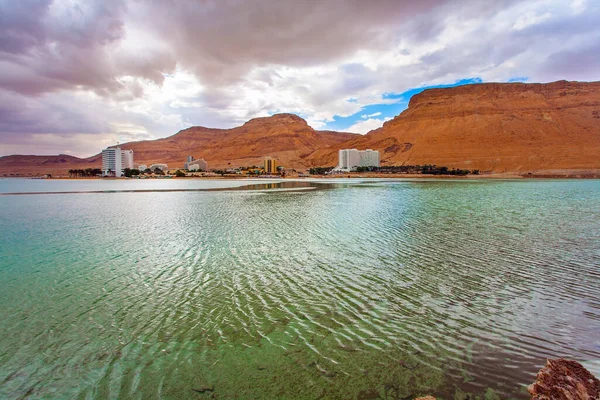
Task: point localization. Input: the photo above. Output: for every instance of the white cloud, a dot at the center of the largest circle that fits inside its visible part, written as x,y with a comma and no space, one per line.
578,6
365,116
366,126
530,19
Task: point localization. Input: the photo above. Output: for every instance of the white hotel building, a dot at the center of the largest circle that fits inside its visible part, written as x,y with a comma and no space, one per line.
349,159
115,160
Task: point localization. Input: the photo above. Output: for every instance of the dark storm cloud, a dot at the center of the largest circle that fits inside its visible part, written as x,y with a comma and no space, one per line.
579,63
46,46
53,51
22,115
222,40
20,27
49,46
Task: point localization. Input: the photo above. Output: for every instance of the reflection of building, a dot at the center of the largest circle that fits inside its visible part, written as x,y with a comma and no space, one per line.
270,166
162,167
349,159
115,160
193,164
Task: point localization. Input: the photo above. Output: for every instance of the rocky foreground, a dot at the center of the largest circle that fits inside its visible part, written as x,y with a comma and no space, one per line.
564,379
560,379
547,130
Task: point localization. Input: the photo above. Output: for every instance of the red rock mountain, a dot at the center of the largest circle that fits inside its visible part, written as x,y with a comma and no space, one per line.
498,127
286,137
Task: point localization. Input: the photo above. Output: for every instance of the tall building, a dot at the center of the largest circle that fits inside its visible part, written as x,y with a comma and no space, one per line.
270,166
369,158
115,160
127,159
349,159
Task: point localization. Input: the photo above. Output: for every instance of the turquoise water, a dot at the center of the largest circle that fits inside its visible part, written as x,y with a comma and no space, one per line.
341,289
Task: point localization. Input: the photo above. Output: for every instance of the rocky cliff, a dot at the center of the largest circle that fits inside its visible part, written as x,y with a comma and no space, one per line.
499,127
551,128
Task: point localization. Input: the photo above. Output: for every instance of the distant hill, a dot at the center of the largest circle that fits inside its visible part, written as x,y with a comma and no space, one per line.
26,165
498,127
549,128
286,137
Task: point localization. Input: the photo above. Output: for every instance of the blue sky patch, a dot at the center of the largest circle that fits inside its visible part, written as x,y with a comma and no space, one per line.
389,110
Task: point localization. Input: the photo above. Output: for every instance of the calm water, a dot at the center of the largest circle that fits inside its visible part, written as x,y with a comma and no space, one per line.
338,290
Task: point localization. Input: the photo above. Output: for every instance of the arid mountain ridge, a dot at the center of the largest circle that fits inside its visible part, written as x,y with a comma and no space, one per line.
551,128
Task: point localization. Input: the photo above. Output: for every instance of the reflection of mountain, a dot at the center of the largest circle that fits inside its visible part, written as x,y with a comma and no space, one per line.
499,127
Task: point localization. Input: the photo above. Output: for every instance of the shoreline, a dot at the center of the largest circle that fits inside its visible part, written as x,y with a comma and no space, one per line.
510,176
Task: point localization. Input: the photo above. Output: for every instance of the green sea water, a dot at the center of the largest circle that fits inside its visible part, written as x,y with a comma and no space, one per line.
341,289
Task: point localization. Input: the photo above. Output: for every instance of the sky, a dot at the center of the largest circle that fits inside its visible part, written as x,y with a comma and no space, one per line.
79,75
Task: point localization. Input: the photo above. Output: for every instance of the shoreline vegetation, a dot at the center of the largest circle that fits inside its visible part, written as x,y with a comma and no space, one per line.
352,175
387,172
511,176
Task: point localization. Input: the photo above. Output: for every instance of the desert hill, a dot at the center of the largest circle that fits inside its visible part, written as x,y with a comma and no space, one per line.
499,127
28,165
551,128
285,137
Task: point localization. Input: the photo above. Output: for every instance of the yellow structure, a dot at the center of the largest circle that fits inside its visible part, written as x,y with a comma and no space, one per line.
270,166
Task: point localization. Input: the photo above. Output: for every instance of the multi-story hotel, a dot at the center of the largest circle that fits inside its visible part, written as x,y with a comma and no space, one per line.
115,160
162,167
193,164
349,159
270,166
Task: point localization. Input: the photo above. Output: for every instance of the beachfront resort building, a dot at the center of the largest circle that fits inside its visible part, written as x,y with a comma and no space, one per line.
350,159
193,164
162,167
115,160
270,166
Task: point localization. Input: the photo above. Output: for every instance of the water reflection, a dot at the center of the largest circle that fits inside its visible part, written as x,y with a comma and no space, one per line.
272,186
377,290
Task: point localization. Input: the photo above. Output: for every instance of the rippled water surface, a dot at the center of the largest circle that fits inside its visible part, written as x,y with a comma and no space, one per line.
342,289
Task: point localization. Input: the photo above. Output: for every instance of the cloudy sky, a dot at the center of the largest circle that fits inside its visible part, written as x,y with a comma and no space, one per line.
78,75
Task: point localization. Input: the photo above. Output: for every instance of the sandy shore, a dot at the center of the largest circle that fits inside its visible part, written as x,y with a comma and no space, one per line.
558,174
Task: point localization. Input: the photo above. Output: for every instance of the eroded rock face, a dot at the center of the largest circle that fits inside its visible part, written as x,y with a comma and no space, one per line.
548,128
564,379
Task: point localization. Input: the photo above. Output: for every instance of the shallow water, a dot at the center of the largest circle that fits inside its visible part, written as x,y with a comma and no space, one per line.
340,289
